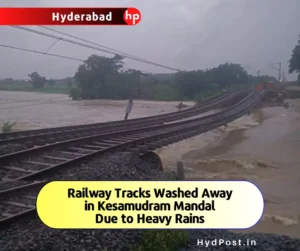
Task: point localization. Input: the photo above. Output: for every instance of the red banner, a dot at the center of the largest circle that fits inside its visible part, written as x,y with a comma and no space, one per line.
69,16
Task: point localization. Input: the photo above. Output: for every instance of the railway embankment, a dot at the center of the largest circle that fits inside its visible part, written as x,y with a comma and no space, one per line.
29,233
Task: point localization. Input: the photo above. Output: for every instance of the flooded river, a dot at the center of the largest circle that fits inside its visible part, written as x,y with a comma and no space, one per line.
262,147
34,110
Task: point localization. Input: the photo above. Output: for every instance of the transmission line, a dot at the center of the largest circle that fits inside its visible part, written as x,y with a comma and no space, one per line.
89,46
56,55
51,46
93,43
40,52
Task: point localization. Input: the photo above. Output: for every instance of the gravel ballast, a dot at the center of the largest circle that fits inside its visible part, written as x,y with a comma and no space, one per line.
31,234
10,148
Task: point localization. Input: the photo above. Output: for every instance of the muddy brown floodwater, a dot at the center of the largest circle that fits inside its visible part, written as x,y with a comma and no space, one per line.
263,148
36,110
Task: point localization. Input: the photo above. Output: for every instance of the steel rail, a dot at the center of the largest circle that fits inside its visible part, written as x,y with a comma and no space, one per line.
163,138
209,103
30,163
52,135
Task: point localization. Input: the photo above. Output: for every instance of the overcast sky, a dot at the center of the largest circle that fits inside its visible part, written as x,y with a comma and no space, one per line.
184,34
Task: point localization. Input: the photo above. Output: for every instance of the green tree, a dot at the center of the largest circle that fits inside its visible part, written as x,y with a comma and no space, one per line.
132,83
294,63
36,80
199,83
227,75
103,77
75,93
190,83
92,75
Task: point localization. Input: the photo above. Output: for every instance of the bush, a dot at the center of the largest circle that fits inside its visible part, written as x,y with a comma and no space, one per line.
7,126
162,240
75,93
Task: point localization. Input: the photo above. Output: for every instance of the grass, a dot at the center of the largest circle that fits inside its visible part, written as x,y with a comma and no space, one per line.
58,89
7,126
162,240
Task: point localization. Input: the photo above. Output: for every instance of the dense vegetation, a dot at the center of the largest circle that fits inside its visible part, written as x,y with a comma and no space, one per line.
39,84
7,126
162,240
294,65
104,77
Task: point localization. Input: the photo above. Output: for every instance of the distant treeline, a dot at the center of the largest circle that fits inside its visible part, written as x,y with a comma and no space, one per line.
37,84
104,78
51,82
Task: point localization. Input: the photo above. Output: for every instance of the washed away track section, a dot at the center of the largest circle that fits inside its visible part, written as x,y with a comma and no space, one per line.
38,163
40,137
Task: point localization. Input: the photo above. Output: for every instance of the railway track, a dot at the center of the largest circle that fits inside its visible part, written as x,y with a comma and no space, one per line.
38,162
33,162
41,137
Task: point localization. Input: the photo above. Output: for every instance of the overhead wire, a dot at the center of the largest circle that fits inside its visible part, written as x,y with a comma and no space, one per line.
57,39
40,52
51,46
48,54
93,43
91,47
57,55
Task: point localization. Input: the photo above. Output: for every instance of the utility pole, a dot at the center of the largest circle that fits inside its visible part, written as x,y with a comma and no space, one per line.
258,76
278,69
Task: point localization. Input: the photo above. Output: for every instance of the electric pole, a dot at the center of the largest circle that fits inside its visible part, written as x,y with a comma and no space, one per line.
278,69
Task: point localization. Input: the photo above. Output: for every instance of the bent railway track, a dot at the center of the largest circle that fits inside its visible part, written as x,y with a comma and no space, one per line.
39,162
41,137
